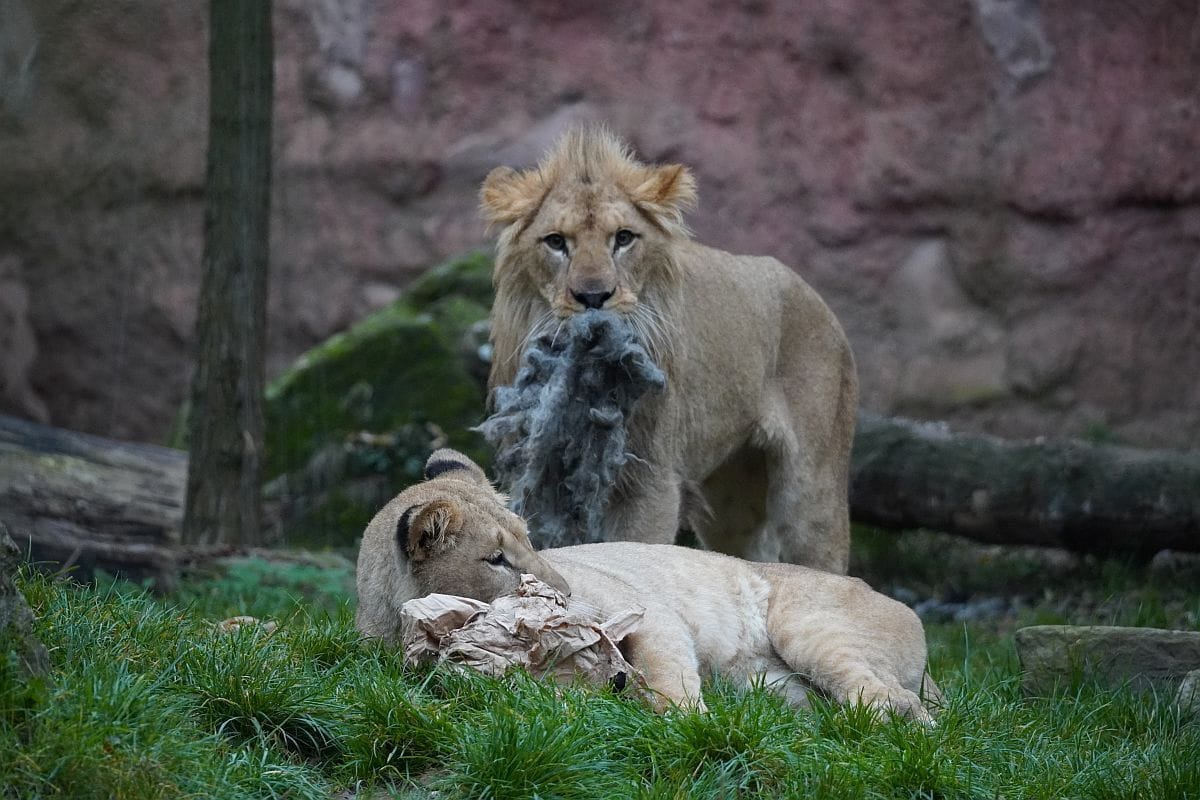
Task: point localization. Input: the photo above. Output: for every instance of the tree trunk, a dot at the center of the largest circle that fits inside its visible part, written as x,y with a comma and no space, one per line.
84,503
226,418
1060,493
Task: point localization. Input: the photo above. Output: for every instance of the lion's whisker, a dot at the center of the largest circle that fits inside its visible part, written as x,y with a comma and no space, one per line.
652,330
557,331
539,326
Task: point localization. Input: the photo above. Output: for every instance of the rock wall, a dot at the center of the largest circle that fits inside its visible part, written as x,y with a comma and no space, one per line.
1000,198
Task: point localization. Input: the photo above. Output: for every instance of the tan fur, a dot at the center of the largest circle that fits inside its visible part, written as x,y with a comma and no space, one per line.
749,446
790,627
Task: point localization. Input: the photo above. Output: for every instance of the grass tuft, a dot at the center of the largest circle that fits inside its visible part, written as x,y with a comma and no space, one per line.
747,738
247,687
398,729
518,751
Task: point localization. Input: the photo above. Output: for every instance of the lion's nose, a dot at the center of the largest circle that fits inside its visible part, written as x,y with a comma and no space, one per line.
591,299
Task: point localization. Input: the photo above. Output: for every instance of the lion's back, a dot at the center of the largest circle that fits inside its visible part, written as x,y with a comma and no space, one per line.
759,294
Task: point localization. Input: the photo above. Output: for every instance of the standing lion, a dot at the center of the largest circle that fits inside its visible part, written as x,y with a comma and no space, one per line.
749,445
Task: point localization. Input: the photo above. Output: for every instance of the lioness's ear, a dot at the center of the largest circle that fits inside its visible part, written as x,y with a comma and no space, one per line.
508,195
664,192
428,529
446,460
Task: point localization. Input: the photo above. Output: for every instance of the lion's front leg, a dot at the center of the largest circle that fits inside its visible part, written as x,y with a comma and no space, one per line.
645,508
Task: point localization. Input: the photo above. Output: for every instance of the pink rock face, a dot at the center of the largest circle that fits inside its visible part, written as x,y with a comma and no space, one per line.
1000,200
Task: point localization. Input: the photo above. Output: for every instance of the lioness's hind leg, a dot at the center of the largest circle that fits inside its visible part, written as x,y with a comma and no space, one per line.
851,642
838,667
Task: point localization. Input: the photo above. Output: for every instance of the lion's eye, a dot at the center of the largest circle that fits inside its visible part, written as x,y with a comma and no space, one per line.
556,242
497,559
624,238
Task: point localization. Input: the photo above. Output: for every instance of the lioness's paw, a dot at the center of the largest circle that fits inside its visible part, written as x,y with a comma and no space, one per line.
663,704
905,704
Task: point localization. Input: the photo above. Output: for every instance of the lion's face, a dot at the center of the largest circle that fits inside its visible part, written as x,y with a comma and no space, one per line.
588,248
589,228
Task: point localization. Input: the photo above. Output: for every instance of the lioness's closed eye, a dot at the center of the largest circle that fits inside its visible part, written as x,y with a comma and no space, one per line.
706,613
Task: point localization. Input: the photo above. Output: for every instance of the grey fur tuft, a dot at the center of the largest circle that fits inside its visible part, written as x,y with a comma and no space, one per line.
561,429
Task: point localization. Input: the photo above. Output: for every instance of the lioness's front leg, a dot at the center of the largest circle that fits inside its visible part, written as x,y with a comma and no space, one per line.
667,660
645,508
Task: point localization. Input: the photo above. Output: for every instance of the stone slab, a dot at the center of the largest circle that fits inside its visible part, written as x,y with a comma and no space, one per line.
1141,658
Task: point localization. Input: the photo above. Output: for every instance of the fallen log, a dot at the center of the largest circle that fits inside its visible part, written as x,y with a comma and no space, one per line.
1059,493
88,503
85,503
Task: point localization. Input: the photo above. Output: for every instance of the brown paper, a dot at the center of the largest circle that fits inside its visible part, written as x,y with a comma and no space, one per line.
535,628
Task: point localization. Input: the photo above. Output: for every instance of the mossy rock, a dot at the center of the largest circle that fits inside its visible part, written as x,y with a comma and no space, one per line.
409,363
468,277
352,421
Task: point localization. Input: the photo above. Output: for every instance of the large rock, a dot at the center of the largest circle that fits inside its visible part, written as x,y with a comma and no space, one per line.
413,361
1188,696
1000,199
1058,655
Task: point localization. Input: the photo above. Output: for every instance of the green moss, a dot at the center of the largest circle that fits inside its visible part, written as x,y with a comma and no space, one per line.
412,366
455,314
468,277
405,364
1099,433
391,370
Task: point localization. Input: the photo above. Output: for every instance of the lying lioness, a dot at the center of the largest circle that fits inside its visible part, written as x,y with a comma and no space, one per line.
790,627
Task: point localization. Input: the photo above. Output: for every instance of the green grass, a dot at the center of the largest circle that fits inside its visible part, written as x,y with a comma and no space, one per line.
148,700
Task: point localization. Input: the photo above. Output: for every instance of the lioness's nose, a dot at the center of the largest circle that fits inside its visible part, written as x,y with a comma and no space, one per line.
557,581
591,299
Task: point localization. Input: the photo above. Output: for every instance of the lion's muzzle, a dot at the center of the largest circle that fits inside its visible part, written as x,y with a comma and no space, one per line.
592,299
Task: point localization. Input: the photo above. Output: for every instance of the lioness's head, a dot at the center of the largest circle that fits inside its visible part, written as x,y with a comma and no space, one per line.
590,227
450,534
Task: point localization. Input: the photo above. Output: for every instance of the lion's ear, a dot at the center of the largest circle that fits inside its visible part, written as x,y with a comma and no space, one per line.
664,191
425,530
508,195
459,466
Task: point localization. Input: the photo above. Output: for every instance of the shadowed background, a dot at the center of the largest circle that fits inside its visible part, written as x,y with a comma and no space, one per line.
1000,199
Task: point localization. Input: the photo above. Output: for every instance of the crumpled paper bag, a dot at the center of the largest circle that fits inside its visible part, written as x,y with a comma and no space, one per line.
534,628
